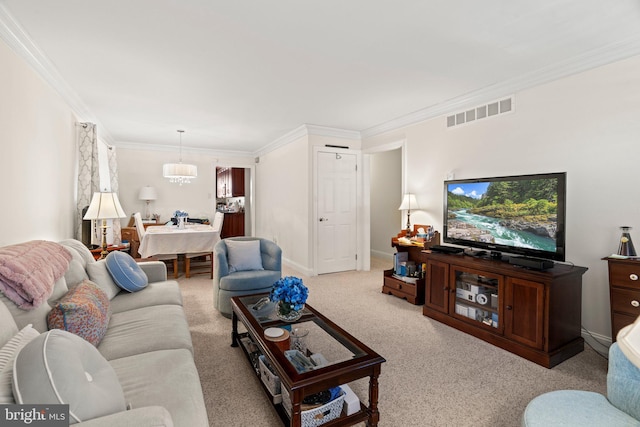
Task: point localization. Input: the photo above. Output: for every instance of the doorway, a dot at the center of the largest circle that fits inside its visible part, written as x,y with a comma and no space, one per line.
336,210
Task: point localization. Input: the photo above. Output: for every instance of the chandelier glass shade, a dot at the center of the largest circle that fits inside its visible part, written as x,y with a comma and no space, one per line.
180,173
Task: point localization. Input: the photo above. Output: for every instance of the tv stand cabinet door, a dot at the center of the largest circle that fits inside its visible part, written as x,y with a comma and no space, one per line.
437,286
524,312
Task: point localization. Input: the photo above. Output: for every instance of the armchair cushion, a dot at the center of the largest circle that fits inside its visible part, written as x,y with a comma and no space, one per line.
623,383
244,255
574,408
126,272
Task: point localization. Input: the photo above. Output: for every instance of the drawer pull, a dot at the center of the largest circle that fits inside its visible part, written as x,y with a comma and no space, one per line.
633,276
635,303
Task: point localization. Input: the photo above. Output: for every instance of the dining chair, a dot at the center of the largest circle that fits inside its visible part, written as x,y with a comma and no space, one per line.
206,266
162,257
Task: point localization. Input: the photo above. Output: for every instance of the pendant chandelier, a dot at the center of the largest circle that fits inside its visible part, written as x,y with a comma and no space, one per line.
180,173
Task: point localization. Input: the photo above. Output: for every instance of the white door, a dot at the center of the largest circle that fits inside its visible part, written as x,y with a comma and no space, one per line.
336,219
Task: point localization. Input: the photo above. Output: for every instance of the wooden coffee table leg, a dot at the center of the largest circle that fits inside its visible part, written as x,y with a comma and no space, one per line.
234,329
296,409
374,414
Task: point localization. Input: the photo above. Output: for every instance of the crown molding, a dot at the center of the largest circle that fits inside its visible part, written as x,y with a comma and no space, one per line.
306,130
20,42
595,58
192,150
333,132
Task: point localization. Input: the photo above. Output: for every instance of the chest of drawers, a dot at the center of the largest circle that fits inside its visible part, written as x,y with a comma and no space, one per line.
624,291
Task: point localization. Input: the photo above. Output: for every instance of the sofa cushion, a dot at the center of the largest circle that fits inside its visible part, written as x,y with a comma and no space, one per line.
7,355
99,274
244,255
36,317
77,247
144,330
58,367
9,328
158,293
178,389
126,272
83,311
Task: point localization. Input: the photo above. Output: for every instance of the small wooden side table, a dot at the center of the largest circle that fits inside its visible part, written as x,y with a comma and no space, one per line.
97,251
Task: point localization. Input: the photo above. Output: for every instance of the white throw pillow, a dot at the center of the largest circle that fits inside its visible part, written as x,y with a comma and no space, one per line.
7,355
244,255
58,367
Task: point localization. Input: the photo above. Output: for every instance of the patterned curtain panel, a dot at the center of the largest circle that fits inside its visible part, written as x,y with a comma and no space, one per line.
88,171
113,176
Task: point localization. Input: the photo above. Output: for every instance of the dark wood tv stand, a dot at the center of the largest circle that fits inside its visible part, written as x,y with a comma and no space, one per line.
534,314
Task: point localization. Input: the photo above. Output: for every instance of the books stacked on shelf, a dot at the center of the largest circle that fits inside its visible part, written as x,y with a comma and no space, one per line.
406,279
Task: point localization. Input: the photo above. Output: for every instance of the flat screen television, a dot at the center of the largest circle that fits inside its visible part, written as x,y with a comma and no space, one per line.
523,215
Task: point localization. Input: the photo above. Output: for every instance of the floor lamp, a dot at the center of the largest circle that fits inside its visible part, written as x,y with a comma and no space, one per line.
104,206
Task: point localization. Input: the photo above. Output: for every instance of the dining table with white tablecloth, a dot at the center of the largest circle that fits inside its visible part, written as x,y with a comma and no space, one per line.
170,239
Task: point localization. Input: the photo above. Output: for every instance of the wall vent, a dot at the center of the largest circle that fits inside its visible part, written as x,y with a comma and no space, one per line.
481,112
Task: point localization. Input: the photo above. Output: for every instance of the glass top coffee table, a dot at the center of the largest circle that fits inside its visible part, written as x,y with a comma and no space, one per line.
330,358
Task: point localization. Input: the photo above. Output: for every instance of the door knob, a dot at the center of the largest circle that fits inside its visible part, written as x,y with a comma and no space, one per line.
324,219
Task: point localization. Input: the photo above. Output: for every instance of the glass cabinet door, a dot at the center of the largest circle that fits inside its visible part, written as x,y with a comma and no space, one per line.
477,297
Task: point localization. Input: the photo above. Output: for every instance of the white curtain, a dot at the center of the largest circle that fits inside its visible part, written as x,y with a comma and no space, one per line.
88,171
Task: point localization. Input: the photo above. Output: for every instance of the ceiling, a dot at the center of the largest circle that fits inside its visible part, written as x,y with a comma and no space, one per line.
237,75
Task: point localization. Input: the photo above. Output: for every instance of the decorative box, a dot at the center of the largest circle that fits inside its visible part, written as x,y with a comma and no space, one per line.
316,416
270,379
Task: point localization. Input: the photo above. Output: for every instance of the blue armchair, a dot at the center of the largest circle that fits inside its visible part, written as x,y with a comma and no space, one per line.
621,406
228,283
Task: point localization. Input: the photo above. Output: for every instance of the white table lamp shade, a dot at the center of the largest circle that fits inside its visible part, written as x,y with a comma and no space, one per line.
148,193
408,202
104,206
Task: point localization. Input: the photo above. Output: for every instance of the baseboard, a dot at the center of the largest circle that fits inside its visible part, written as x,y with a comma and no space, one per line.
380,254
304,270
598,342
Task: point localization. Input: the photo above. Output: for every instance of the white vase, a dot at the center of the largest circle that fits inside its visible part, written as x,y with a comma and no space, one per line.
182,220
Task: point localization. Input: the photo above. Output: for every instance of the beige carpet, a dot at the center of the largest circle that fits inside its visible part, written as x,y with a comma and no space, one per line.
434,375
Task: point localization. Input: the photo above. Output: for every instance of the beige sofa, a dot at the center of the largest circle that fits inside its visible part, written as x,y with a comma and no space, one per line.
147,343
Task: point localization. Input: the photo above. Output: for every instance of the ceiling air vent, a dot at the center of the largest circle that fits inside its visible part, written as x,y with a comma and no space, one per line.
481,112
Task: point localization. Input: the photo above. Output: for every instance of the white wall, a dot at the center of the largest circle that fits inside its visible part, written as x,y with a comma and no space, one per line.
282,201
137,168
587,125
38,156
386,196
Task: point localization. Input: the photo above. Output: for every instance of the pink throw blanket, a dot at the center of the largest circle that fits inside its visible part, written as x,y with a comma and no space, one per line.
29,270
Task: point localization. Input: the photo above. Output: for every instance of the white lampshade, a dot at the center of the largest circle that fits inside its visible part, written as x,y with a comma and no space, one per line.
104,206
179,171
409,202
147,193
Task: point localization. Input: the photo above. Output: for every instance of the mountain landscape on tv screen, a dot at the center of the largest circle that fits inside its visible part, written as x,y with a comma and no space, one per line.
519,213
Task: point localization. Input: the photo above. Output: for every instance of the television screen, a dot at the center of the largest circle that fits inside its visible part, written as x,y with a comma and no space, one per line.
523,214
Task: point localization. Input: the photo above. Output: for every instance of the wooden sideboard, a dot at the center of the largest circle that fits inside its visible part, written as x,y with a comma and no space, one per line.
534,314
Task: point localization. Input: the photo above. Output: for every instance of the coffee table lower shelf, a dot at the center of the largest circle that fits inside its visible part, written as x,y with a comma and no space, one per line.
343,420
